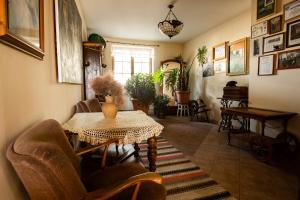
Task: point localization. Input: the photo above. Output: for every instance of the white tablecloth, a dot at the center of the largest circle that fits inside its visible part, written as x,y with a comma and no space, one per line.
129,127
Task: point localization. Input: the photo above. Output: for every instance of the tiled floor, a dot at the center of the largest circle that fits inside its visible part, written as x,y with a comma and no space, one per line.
236,169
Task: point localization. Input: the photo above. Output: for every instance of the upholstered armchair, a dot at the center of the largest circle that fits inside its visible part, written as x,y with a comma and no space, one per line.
93,105
49,169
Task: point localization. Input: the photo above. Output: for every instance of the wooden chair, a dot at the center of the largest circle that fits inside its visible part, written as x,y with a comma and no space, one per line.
93,105
50,169
196,110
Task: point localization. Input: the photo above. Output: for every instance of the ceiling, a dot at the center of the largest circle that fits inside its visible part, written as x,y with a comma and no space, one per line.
138,19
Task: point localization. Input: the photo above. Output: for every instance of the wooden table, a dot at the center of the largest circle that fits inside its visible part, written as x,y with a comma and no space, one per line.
261,115
129,127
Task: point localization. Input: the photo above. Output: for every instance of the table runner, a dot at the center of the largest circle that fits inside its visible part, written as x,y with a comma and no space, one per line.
129,127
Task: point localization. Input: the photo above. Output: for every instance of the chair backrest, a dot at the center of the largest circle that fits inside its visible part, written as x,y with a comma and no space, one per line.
84,106
46,164
93,105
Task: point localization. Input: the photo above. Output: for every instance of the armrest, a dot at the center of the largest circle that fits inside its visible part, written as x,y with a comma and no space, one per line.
111,190
92,148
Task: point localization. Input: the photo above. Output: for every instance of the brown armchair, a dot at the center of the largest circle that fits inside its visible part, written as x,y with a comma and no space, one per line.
50,169
93,105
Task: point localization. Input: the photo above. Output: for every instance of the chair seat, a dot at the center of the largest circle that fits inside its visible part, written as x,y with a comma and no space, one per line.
149,190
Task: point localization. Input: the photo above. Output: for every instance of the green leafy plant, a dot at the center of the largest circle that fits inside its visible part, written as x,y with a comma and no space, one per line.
158,76
161,105
141,87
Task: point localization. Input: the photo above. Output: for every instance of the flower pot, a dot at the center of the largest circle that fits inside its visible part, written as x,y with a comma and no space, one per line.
109,109
137,105
182,97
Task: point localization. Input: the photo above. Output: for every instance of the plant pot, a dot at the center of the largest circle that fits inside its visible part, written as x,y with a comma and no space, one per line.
137,105
182,97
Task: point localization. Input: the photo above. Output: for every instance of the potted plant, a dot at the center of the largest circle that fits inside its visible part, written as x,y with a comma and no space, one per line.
141,89
161,105
183,75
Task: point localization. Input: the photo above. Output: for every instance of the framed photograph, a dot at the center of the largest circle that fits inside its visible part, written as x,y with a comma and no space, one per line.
220,66
260,29
68,31
22,26
238,57
208,70
289,59
274,43
265,8
266,65
291,10
275,24
293,34
220,51
257,47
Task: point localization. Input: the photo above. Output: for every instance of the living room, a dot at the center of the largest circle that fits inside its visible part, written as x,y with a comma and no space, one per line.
44,76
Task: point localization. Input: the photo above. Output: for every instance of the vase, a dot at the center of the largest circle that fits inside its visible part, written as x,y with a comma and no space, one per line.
109,108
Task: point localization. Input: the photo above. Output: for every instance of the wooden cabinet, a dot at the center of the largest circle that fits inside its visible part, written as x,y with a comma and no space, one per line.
92,62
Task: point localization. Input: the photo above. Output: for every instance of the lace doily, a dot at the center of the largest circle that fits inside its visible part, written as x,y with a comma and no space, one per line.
129,127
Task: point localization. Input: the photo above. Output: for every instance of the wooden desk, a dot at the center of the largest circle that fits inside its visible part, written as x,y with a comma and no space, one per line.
261,115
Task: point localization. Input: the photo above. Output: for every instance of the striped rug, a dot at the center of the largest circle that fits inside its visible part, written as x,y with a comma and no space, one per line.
181,177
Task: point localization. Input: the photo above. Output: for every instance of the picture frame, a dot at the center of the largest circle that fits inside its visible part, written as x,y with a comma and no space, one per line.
265,8
293,34
274,43
291,10
257,46
266,65
68,34
238,58
220,66
275,24
220,51
22,26
208,68
289,59
259,29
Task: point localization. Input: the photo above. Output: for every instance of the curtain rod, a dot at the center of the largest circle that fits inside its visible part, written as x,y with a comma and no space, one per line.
150,45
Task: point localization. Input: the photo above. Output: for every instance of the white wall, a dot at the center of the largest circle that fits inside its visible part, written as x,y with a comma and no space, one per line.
210,88
29,93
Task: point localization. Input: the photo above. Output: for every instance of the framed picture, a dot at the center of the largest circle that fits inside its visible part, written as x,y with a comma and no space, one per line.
289,59
259,29
208,70
273,43
275,24
293,34
22,26
265,8
220,51
257,46
220,66
291,10
238,57
266,65
68,31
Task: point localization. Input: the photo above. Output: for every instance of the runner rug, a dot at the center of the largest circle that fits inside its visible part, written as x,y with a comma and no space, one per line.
181,177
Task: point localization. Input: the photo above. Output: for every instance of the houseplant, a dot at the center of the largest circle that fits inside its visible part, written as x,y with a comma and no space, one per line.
141,89
161,105
110,91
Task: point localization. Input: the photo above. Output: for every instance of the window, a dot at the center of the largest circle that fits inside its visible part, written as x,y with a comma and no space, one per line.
129,60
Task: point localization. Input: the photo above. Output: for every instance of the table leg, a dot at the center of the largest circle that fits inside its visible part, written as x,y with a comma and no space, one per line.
152,153
137,149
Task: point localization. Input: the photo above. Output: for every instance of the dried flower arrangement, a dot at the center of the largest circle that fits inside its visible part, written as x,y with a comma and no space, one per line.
106,85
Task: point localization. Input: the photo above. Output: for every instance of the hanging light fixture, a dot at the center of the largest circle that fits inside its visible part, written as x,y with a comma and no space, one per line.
171,26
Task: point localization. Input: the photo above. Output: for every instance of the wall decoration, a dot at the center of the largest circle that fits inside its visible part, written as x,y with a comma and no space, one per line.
266,65
68,42
220,66
291,10
273,43
22,25
208,70
220,51
259,29
275,24
293,34
265,8
289,59
238,57
257,46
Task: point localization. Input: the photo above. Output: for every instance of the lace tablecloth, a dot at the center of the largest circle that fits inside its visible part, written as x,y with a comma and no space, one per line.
129,127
